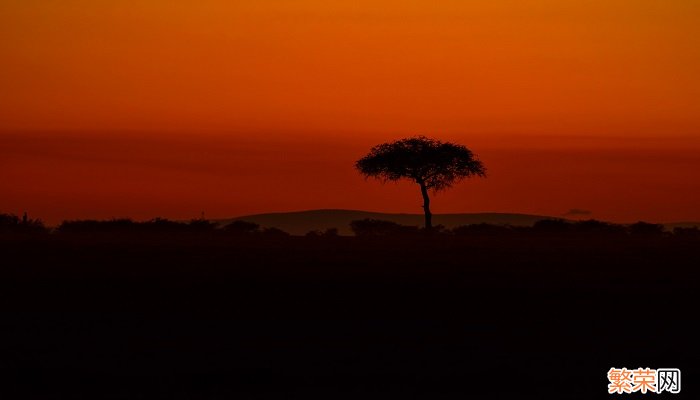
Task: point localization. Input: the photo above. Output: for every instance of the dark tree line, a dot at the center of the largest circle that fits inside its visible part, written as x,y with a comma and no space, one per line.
12,224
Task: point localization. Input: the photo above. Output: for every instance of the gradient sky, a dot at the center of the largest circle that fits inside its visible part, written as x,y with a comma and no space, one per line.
170,108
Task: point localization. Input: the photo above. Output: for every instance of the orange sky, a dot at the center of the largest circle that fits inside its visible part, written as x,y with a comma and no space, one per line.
124,108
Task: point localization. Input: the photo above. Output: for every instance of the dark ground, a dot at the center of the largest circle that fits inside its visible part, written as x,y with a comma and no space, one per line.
343,317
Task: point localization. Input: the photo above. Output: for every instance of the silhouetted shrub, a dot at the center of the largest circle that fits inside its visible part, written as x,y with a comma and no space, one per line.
376,227
274,232
10,223
437,230
481,229
127,226
646,229
598,227
686,231
330,232
202,225
552,226
162,225
94,226
242,228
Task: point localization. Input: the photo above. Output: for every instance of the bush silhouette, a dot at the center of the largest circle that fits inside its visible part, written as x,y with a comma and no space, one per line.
482,229
94,226
274,232
10,223
124,226
646,229
592,226
161,225
330,232
376,227
687,232
552,226
242,228
202,225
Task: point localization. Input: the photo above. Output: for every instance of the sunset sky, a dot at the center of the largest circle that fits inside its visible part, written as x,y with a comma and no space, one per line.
170,108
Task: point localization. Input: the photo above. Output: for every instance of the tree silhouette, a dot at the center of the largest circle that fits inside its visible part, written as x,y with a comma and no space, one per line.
432,164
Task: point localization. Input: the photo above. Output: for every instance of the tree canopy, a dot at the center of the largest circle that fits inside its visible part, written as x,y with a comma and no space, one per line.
436,165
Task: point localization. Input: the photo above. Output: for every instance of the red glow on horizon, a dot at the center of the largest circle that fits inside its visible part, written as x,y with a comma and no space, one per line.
66,176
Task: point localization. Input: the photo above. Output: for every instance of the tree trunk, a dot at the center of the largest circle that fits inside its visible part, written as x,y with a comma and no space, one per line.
426,207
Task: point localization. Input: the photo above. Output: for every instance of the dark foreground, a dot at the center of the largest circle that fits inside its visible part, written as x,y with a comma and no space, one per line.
344,317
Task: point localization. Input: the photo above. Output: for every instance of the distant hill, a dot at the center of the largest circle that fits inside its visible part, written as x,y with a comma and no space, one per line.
300,222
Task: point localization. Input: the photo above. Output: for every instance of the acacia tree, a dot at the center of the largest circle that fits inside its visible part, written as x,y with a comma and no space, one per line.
432,164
